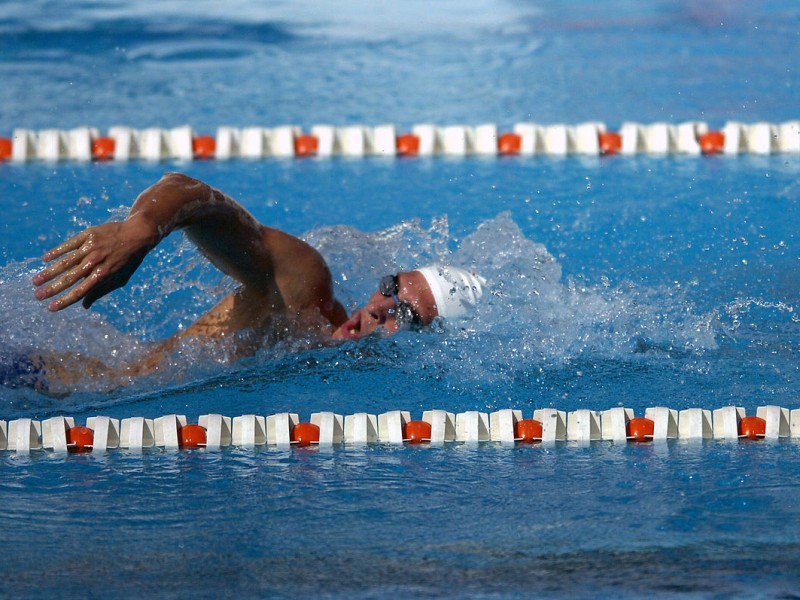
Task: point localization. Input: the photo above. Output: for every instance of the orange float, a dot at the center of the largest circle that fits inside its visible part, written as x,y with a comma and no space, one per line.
641,429
191,436
306,145
509,143
752,427
204,147
610,143
407,144
528,431
6,148
80,439
416,432
712,142
103,148
305,434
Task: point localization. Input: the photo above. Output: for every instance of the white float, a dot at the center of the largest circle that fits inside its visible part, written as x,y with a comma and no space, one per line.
695,423
485,139
106,433
352,141
429,139
180,143
586,138
443,425
659,138
762,138
331,427
54,433
554,424
281,141
166,431
249,431
789,137
502,425
360,428
23,145
688,135
254,143
632,138
457,140
279,428
52,145
794,423
391,426
777,420
326,140
530,135
137,433
556,140
472,426
583,426
614,423
383,141
726,422
126,143
665,422
80,143
218,428
735,138
228,143
24,435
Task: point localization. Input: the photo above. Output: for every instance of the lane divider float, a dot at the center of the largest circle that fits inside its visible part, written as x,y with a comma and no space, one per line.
547,426
425,140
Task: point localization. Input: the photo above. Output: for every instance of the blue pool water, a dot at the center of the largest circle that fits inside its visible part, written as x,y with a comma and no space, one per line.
626,281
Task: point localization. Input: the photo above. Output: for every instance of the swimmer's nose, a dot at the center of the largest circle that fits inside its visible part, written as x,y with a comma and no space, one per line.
380,311
377,314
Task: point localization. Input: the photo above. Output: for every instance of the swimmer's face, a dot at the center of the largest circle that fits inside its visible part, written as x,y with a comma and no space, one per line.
381,311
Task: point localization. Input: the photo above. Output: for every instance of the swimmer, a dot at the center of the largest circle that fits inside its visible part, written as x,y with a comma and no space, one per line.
284,283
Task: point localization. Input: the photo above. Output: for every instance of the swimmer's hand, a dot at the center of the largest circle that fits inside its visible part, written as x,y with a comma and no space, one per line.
92,264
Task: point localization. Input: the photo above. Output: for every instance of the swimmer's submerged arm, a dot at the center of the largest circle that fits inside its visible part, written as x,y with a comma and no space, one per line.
101,259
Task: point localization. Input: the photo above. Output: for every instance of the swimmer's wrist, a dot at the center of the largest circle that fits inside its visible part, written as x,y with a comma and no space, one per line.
141,227
162,208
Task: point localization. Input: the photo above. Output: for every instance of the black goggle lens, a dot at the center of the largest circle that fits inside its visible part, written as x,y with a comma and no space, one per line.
405,314
389,286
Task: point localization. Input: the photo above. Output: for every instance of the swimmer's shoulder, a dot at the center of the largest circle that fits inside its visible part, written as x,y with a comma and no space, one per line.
290,251
300,270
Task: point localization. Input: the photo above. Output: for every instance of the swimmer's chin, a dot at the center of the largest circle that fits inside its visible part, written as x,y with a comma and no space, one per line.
344,334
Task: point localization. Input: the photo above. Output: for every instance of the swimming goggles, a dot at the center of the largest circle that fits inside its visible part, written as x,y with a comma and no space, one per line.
405,314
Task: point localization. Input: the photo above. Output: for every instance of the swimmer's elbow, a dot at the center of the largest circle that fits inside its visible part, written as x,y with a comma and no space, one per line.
181,180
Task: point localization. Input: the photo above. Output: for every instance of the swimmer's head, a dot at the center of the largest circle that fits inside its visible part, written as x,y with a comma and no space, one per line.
455,291
415,299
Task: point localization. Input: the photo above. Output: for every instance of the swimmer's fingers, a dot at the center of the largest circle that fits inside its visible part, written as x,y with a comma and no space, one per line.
71,244
66,281
57,268
91,264
75,249
99,279
71,297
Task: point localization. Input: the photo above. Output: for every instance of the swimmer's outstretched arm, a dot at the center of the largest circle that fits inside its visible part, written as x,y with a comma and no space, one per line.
102,259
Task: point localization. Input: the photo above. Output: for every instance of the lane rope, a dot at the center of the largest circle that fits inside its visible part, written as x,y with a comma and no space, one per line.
692,138
547,426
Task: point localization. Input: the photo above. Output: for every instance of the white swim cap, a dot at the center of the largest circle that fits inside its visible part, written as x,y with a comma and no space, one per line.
455,290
